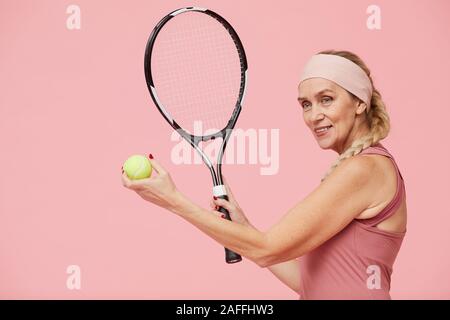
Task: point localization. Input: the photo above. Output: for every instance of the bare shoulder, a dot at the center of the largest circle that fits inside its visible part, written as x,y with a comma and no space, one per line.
353,179
382,183
359,168
370,173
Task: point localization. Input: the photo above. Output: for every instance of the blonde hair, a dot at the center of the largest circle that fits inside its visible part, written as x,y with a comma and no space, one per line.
377,117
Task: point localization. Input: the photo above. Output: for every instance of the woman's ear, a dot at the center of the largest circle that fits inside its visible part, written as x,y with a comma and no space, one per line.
361,107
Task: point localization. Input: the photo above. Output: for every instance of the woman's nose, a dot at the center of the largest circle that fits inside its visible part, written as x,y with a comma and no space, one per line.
316,113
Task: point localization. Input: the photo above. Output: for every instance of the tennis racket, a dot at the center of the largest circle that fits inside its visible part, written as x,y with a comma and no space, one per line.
196,72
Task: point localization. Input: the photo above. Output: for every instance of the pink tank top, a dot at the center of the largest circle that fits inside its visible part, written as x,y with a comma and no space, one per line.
357,262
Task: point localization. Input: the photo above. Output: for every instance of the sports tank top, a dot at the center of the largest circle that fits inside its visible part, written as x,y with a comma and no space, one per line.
356,263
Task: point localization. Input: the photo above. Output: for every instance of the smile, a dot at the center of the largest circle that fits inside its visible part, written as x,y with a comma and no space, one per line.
322,131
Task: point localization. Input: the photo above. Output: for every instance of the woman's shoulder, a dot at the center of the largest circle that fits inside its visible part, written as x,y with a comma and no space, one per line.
383,180
383,170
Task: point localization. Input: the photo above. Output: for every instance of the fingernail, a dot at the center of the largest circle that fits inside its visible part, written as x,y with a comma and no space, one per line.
150,156
215,198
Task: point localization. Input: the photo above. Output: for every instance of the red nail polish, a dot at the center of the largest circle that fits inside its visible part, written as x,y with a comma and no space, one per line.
215,198
150,156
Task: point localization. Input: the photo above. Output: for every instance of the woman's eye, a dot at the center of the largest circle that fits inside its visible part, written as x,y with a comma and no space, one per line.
327,99
324,100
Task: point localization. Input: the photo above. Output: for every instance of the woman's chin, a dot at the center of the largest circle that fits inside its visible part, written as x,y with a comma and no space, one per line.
325,143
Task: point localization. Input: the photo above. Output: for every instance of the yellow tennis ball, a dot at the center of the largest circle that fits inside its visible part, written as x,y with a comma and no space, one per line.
137,167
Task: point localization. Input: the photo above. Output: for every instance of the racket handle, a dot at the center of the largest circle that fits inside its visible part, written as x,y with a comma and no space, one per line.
230,256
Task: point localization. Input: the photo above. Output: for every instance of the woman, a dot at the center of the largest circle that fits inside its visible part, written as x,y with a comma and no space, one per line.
341,241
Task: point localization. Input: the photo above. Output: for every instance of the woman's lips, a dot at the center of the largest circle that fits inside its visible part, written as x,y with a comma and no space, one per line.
322,132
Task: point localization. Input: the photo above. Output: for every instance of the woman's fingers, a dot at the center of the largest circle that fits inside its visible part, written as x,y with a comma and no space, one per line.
157,166
126,182
214,206
224,204
215,210
229,192
133,184
218,214
141,183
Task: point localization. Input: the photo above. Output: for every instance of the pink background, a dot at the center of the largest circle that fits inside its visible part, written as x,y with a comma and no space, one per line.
74,105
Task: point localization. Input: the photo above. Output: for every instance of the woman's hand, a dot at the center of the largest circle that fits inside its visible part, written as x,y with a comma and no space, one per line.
158,189
235,211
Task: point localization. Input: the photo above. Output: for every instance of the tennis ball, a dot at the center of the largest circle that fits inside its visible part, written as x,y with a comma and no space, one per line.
137,167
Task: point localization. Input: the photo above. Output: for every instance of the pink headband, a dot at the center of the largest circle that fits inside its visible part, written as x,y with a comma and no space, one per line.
343,72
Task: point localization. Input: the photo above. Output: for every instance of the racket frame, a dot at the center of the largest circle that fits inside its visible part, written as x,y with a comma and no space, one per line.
194,140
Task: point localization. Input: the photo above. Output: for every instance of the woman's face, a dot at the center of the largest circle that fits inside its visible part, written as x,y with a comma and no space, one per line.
324,103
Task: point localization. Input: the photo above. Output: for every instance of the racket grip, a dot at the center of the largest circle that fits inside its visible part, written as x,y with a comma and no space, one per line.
230,256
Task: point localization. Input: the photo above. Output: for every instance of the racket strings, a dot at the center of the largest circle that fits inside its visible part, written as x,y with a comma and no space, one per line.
196,70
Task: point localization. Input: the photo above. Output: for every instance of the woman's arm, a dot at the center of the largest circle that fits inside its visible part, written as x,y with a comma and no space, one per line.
314,220
243,239
288,272
311,222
